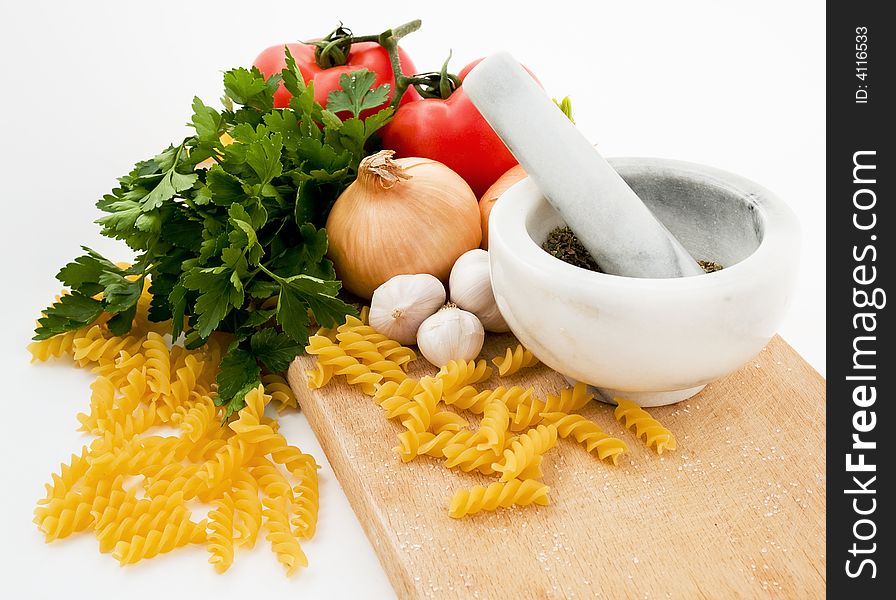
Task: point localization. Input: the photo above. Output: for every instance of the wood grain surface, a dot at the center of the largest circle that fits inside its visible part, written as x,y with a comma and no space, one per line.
737,511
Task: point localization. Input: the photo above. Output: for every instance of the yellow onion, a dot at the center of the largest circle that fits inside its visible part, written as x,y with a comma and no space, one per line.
492,194
400,216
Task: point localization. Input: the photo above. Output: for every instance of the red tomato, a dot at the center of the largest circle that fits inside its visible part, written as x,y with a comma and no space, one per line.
363,55
453,132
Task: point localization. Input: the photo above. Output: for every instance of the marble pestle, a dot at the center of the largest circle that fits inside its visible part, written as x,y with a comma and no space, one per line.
613,224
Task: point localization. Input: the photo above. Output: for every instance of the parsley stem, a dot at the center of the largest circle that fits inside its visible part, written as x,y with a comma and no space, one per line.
270,273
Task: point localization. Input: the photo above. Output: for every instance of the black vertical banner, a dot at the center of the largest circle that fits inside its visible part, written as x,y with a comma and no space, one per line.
861,169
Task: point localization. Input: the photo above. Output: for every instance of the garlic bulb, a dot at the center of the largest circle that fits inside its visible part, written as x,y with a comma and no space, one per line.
470,285
400,305
450,334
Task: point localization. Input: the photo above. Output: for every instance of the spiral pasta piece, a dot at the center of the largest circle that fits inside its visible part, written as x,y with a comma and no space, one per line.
248,509
307,502
468,457
271,480
116,502
95,347
189,380
251,428
173,535
469,398
446,420
458,374
389,370
133,389
319,376
102,401
523,458
184,483
226,461
123,368
569,400
356,346
361,376
419,416
61,517
396,398
528,411
158,364
201,417
653,432
139,517
493,427
511,397
117,432
56,346
283,542
514,360
364,349
354,329
220,536
528,414
498,494
279,390
589,434
409,443
394,351
436,445
332,355
69,474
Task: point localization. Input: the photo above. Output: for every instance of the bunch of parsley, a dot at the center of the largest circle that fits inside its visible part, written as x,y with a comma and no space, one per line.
238,247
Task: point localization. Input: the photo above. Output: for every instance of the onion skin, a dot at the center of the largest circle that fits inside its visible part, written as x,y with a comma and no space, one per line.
380,228
491,195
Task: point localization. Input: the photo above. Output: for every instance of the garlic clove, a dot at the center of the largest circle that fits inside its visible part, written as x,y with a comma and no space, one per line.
470,285
450,334
402,303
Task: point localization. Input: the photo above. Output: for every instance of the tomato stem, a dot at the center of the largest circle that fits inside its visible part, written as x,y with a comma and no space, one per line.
389,41
437,84
333,49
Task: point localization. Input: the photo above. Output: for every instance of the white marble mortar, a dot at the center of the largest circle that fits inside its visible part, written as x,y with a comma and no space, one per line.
654,341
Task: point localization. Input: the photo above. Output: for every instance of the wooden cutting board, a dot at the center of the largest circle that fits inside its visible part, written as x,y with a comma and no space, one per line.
736,511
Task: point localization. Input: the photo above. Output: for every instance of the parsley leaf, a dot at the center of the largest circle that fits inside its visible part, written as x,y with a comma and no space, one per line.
249,88
206,121
300,293
218,294
293,80
356,94
239,373
170,184
275,350
71,311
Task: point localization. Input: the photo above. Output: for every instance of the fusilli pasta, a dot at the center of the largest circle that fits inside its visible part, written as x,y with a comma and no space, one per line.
589,434
283,542
220,536
143,382
514,360
655,435
523,459
498,494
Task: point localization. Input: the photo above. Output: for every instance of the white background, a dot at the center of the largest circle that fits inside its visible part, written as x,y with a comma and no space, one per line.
90,88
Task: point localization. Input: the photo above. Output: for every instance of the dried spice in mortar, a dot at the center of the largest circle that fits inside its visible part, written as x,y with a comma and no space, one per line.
562,243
